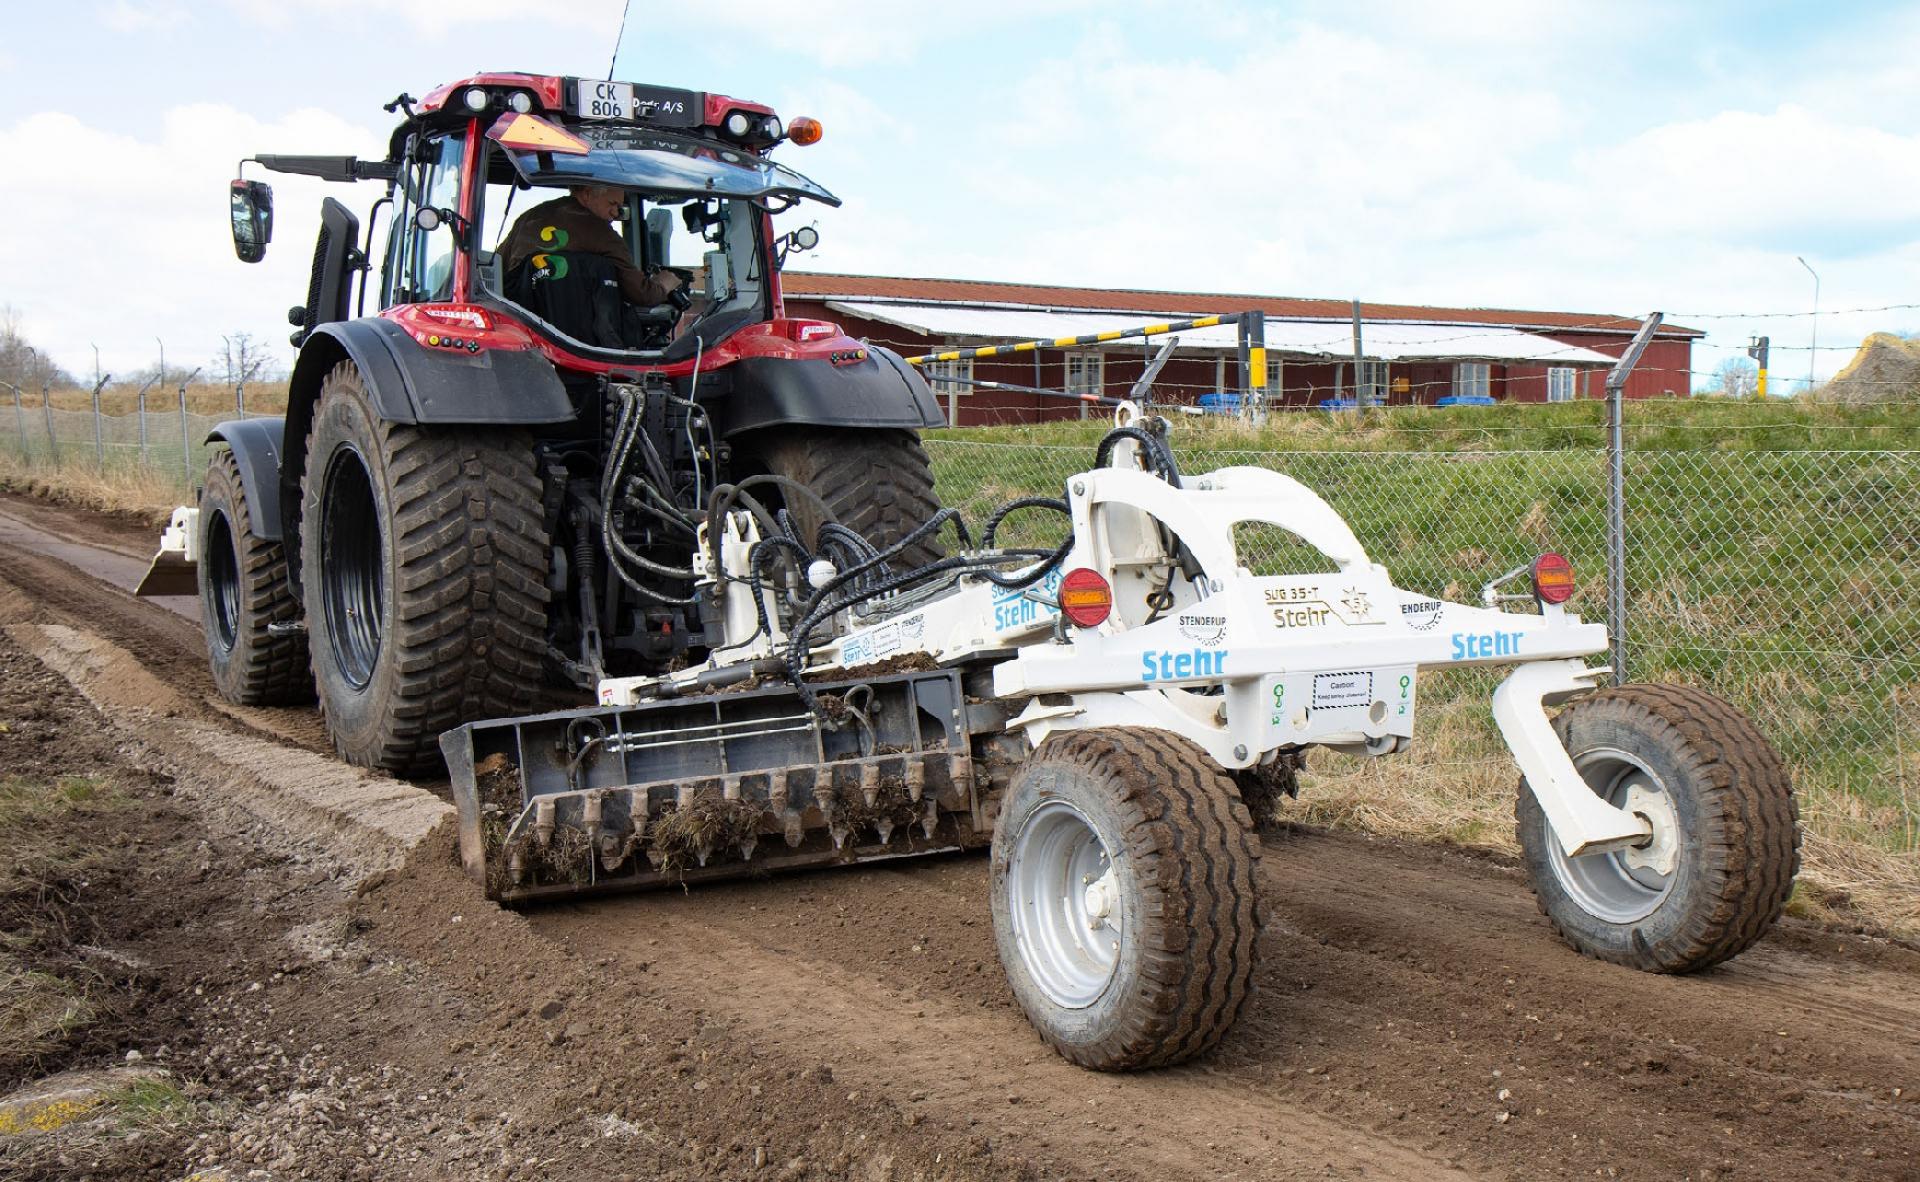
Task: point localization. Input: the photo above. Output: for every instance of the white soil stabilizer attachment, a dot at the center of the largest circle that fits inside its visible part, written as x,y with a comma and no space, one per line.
1102,714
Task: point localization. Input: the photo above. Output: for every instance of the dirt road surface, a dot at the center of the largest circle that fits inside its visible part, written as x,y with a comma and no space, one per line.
1416,1018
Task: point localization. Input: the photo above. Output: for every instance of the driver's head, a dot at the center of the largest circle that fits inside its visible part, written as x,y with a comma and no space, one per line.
602,201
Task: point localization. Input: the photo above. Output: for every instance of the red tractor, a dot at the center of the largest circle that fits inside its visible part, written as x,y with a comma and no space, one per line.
490,479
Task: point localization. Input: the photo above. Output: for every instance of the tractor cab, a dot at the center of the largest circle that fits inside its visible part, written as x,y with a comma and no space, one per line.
696,195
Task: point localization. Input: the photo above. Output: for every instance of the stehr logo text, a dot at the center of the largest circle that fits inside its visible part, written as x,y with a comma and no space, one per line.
1164,666
1468,645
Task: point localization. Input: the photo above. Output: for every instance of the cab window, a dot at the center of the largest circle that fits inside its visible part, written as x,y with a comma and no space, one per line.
419,264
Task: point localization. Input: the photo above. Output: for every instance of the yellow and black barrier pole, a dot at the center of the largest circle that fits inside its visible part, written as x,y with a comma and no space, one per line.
1758,351
1252,344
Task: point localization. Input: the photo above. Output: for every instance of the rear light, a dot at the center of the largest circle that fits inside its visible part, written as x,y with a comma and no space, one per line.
460,314
804,130
1552,578
1085,598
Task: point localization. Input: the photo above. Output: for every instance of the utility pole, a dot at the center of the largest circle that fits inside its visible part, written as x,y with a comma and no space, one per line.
1359,363
1758,351
1813,349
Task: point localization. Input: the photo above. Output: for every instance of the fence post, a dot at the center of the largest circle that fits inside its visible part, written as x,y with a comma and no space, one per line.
186,448
46,406
1617,496
20,421
140,405
1359,364
99,448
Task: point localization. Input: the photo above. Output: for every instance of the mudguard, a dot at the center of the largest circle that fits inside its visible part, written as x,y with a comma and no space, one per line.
410,383
256,448
879,390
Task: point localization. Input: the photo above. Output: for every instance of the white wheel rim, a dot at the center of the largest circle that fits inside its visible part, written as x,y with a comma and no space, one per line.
1622,886
1064,904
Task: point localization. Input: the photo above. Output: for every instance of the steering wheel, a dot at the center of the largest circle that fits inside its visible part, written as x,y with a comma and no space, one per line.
681,297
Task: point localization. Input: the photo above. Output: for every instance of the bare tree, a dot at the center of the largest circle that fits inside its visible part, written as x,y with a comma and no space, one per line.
1736,377
242,360
20,361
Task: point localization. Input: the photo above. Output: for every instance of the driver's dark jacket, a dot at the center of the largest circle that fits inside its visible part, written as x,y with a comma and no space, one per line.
563,224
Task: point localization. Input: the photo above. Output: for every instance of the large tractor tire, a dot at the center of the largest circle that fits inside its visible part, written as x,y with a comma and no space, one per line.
1124,902
424,571
1719,865
878,483
254,644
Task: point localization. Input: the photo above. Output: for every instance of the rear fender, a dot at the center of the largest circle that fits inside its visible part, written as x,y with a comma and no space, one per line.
409,383
255,444
865,387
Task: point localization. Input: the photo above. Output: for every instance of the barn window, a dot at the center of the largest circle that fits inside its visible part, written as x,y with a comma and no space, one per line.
1472,378
1086,373
1560,384
949,378
1276,377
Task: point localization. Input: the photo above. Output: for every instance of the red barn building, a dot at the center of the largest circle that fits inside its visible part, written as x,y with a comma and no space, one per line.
1412,355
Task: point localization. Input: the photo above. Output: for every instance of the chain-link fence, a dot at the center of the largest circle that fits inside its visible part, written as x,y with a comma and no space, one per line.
165,442
1779,578
1776,578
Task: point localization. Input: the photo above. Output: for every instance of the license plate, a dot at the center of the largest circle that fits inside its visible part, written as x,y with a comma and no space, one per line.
662,106
603,100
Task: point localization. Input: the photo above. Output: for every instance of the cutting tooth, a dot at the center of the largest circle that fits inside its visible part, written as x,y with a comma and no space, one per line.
777,790
517,865
796,832
884,827
656,858
916,779
930,816
730,789
543,821
746,846
702,850
870,783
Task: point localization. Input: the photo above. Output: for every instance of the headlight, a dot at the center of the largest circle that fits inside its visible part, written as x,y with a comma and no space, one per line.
520,101
739,124
770,127
476,98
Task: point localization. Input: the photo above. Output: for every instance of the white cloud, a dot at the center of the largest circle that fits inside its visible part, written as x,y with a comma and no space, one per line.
141,16
133,240
537,19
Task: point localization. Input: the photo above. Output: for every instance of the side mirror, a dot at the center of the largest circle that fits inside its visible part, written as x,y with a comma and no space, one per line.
252,210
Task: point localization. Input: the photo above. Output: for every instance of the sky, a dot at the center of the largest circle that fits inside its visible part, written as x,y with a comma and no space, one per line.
1610,158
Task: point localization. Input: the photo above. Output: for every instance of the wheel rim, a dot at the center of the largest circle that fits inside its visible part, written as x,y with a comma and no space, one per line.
1065,906
220,589
352,567
1622,886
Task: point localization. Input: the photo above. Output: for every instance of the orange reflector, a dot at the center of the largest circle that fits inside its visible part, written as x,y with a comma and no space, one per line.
530,133
804,130
1552,578
1085,598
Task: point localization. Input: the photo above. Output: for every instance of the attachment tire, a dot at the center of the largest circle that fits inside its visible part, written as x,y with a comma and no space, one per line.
424,572
257,656
1726,831
1138,829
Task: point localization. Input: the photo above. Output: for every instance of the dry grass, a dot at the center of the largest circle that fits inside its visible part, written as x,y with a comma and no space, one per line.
203,398
147,494
1457,788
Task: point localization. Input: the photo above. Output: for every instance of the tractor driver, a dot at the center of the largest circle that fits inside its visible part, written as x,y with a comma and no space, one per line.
581,222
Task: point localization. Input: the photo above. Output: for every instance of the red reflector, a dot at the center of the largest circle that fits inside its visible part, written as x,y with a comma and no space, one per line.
1085,598
1552,578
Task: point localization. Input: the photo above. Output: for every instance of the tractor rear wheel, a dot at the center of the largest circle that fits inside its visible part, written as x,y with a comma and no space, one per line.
1124,902
1719,865
255,648
423,567
878,483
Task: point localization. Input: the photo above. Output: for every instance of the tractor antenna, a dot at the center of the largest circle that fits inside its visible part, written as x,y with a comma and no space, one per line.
618,37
